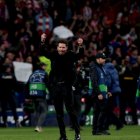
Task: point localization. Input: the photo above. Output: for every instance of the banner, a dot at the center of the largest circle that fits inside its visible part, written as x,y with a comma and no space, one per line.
22,71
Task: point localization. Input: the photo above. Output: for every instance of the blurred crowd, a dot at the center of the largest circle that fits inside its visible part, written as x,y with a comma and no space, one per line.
104,25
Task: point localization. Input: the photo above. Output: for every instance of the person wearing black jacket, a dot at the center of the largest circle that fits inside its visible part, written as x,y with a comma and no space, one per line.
61,80
8,84
99,94
77,89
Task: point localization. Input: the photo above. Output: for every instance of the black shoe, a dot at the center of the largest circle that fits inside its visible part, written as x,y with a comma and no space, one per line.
97,133
118,127
4,125
22,123
77,137
63,138
106,132
94,132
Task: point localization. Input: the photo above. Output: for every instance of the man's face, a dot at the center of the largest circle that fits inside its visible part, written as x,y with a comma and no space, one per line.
80,41
101,61
43,37
62,48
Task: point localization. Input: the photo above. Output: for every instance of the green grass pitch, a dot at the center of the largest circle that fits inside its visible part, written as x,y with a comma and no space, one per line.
129,132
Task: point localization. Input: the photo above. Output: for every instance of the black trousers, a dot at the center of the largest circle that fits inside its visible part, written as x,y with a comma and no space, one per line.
77,106
112,118
8,101
62,95
100,114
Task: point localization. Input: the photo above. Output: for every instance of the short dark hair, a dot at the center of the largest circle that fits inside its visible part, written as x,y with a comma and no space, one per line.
62,41
40,65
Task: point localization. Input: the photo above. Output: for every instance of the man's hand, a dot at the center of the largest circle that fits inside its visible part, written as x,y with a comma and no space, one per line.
73,88
109,94
100,97
28,100
43,37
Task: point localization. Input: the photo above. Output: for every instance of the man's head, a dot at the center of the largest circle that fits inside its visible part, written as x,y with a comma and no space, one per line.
43,37
42,65
80,41
62,47
100,58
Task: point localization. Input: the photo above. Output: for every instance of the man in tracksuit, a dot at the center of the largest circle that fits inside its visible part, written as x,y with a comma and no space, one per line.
100,94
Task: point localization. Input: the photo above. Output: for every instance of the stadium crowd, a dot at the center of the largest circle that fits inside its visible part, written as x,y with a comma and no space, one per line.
106,26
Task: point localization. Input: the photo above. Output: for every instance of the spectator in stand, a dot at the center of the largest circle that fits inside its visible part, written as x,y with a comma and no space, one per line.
44,22
4,14
87,11
79,47
94,22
